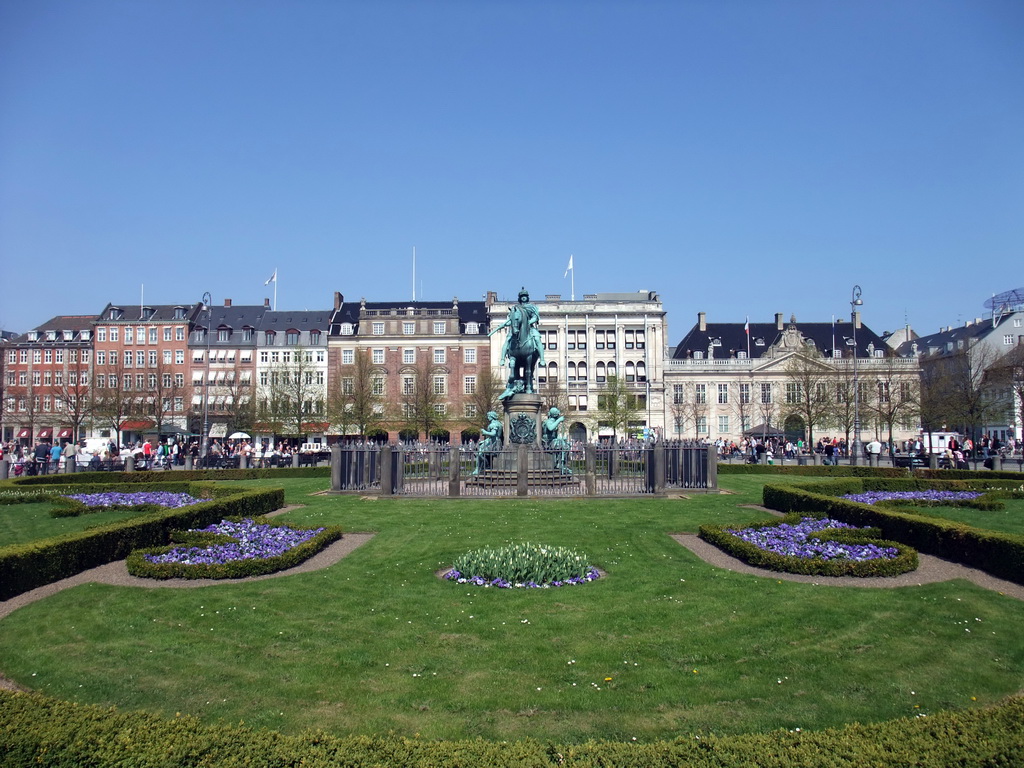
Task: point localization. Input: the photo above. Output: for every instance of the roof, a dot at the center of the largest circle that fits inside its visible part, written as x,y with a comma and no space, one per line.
727,339
349,312
147,313
74,323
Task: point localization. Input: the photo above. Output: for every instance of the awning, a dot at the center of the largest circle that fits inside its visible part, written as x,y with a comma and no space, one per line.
218,430
315,426
45,434
136,426
24,434
65,434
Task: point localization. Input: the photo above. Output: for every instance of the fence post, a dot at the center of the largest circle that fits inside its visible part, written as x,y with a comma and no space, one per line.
590,468
295,459
522,470
454,471
336,467
434,462
5,469
712,469
997,462
129,464
933,461
387,479
658,454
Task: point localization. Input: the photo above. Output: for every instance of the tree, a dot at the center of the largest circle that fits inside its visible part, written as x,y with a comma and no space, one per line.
1008,373
424,390
74,394
114,403
807,392
292,394
897,394
165,396
689,406
959,393
484,397
617,406
355,402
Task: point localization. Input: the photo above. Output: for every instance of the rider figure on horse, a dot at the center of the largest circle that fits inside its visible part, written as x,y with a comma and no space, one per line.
523,348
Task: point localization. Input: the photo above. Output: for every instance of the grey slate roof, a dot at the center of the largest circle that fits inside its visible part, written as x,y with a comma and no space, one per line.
733,338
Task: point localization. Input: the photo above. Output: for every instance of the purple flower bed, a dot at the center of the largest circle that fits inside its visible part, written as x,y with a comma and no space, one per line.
795,541
112,499
873,497
252,542
479,581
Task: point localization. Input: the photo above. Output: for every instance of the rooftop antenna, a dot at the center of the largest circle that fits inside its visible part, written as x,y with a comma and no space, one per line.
414,273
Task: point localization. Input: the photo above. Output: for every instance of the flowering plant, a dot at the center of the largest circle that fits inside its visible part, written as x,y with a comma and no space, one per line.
233,549
930,497
523,565
72,505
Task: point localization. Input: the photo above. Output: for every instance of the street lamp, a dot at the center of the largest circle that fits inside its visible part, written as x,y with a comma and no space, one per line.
208,305
855,302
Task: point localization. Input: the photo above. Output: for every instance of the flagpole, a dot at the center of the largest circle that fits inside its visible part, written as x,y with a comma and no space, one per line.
275,289
572,282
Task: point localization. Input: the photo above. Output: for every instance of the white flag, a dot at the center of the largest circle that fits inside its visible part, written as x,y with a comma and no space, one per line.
272,278
568,268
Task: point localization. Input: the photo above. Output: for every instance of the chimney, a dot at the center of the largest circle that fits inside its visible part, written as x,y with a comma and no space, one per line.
856,319
778,321
338,300
702,321
227,302
266,303
492,297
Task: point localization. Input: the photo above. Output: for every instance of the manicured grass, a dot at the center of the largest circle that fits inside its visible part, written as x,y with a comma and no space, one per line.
377,643
1008,520
23,523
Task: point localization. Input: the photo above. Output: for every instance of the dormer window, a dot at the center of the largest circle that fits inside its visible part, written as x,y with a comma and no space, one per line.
758,342
179,313
86,335
247,334
33,336
224,333
314,338
115,314
347,329
473,328
698,355
716,342
51,335
292,337
270,337
68,335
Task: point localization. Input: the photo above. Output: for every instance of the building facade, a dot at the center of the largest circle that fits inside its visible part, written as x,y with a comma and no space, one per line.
729,381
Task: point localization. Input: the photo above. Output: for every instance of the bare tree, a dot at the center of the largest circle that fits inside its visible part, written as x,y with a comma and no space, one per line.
114,399
808,395
354,402
1008,373
689,407
959,393
897,395
424,392
292,394
617,406
74,394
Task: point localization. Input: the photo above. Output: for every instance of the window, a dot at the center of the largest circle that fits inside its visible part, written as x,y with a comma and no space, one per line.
113,334
101,334
409,328
35,378
377,384
473,328
22,378
58,377
152,335
702,425
723,424
12,356
408,385
46,403
470,410
378,329
469,385
179,356
439,355
581,371
677,394
347,385
314,338
152,358
48,356
179,333
291,338
440,385
167,333
469,355
766,392
1008,338
409,355
347,329
439,327
179,379
37,356
883,392
128,358
794,393
440,409
151,381
377,357
48,379
348,356
140,335
321,355
223,334
140,381
628,341
23,356
698,355
128,336
700,393
165,380
270,337
140,359
101,357
640,340
599,339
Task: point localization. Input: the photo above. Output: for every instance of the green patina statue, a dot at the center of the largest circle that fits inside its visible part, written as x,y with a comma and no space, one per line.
490,444
523,349
554,442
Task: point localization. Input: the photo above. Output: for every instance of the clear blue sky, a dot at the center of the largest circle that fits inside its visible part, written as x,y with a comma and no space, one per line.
739,157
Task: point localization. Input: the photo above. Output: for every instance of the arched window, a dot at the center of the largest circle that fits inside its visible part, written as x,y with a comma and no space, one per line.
630,370
611,370
553,371
570,371
600,372
641,371
581,372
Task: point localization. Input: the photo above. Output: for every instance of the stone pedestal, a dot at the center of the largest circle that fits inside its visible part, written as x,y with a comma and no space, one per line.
522,419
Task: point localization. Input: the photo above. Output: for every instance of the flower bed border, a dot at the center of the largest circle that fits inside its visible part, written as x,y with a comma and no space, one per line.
905,561
139,566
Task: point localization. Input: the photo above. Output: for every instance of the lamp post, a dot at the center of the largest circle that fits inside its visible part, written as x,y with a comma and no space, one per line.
855,301
208,305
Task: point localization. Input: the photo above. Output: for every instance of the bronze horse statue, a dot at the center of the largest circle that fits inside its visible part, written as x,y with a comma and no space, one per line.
522,348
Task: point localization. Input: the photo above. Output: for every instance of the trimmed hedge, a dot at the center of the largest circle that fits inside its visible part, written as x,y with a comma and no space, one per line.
37,730
27,566
999,554
138,565
751,554
811,471
176,475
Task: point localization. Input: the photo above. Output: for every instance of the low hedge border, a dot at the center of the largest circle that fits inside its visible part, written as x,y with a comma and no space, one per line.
27,566
38,730
998,554
811,470
753,555
138,565
175,475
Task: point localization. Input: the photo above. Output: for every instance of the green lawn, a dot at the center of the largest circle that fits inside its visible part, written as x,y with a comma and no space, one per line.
1008,520
378,644
22,523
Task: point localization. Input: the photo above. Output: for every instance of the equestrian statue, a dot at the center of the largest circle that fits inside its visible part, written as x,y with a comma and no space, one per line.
523,349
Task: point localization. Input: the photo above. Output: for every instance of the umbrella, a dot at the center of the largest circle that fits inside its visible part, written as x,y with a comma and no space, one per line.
238,436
